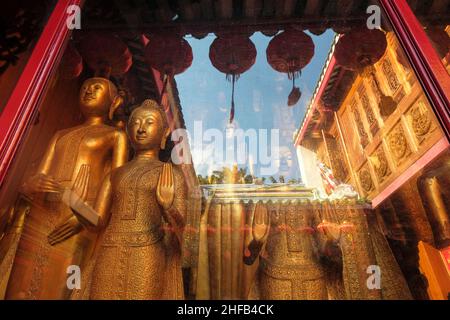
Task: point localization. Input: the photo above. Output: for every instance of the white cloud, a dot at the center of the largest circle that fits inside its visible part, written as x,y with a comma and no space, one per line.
280,77
257,101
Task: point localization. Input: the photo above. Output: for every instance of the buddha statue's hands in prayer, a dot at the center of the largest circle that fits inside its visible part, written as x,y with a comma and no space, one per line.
165,195
259,231
260,227
165,191
73,224
41,183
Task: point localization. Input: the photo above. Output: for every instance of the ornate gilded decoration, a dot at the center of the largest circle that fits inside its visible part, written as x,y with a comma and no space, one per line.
371,118
388,71
380,164
363,136
336,155
398,144
284,242
392,79
386,104
420,121
366,179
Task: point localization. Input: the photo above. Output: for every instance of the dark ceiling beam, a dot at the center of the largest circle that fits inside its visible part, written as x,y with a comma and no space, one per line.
207,9
164,12
188,27
289,8
224,9
345,7
313,8
268,8
186,10
252,8
285,8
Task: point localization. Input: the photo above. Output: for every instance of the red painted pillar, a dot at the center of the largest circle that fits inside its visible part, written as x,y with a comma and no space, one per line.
26,96
424,58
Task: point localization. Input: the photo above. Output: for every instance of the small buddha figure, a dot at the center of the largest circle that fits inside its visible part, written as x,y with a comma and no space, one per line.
141,210
40,266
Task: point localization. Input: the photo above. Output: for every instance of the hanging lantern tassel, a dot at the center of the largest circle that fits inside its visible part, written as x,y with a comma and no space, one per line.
234,78
295,94
232,55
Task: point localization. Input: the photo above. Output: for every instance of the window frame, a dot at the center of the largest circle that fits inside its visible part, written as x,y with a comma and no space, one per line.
26,96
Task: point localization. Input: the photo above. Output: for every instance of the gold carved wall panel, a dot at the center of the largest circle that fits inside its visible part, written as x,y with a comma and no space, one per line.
365,179
398,144
368,110
381,148
380,164
363,136
421,121
337,156
393,82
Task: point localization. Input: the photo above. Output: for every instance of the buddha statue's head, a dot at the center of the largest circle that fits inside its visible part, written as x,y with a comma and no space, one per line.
99,97
147,127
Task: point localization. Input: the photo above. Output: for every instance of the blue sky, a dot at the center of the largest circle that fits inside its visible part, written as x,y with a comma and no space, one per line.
260,94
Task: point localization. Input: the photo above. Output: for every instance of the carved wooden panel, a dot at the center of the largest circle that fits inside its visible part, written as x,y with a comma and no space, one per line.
390,75
380,164
337,157
368,110
363,136
421,121
393,82
365,179
398,144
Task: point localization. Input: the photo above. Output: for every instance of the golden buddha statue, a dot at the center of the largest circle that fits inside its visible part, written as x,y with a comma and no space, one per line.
282,236
40,266
299,245
141,209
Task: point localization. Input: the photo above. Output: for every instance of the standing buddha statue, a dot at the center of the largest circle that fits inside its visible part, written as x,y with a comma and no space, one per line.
40,266
140,211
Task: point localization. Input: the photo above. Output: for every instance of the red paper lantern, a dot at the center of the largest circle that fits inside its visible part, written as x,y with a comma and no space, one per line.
71,63
360,48
106,54
169,54
289,52
232,55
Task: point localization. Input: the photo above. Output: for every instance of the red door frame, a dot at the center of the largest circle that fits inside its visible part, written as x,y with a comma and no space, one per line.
423,57
25,98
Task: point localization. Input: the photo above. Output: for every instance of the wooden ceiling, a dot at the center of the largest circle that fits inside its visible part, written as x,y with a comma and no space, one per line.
198,17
